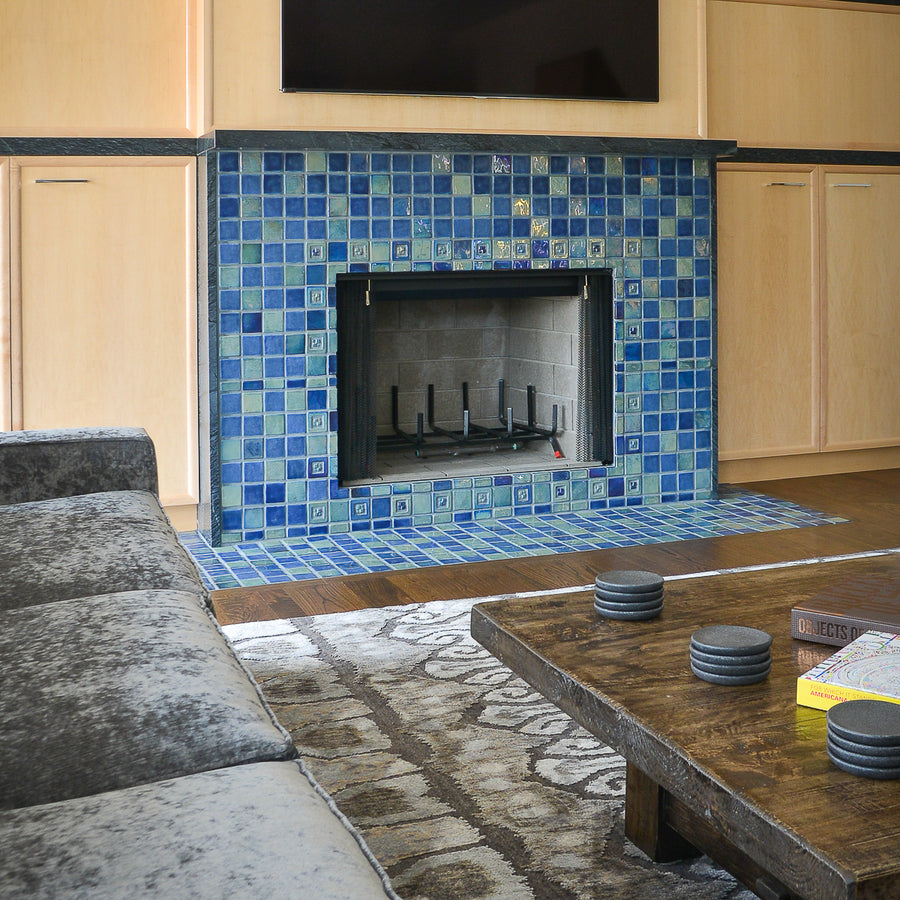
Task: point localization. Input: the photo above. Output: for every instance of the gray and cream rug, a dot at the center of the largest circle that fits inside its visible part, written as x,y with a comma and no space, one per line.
464,782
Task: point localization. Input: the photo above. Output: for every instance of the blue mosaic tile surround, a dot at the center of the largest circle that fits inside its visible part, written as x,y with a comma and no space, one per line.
253,563
289,222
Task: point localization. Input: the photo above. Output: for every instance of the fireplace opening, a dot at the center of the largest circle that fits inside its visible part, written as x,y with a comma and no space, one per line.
473,372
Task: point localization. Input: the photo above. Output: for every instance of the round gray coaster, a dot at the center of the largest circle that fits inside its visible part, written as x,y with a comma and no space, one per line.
733,680
863,759
868,750
629,581
865,771
625,597
875,722
731,640
718,659
625,606
637,615
729,669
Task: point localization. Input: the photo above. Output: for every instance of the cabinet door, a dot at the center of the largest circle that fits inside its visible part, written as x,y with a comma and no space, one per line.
862,367
107,305
5,358
767,320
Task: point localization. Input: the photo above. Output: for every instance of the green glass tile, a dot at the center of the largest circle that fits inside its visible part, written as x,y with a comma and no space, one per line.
252,401
274,424
462,185
252,369
275,470
273,230
273,321
337,229
251,253
229,277
230,345
251,162
251,299
294,184
251,207
481,205
381,184
559,185
316,161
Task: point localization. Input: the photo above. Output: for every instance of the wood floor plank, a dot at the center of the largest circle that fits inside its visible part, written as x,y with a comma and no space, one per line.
869,500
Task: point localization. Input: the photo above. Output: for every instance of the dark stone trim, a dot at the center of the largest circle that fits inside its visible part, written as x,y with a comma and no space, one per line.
778,156
211,237
56,146
286,141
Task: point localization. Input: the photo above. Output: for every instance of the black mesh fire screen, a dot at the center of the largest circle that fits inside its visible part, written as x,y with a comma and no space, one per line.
460,363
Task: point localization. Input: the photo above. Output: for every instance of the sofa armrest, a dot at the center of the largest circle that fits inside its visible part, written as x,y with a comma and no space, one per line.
43,465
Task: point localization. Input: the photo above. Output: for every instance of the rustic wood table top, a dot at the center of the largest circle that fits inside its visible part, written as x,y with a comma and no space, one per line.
748,761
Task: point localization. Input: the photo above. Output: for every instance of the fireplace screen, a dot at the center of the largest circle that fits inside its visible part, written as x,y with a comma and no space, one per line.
442,366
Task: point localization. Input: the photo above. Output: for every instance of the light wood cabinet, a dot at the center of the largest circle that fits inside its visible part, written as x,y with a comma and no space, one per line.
808,320
103,324
768,313
804,73
100,68
862,310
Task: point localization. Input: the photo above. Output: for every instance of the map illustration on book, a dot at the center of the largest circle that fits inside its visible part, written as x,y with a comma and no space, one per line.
847,609
867,668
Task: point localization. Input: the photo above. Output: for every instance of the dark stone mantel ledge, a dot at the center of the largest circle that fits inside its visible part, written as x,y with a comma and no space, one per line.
435,142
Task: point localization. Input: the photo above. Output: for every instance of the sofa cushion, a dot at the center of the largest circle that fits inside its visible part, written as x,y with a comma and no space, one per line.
123,689
251,831
60,462
90,544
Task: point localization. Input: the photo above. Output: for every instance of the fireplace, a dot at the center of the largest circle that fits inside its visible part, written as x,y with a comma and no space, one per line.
293,221
441,374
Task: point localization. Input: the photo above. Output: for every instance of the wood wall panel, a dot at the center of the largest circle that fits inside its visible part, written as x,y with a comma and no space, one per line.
5,357
107,304
246,77
804,74
105,68
862,365
767,313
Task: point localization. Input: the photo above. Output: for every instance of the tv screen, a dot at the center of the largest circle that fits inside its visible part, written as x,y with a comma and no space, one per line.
561,49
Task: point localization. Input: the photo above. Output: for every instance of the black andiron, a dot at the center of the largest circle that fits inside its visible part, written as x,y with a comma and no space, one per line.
472,437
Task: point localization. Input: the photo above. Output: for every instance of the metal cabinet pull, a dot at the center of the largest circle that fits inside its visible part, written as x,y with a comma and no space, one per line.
850,184
62,181
786,184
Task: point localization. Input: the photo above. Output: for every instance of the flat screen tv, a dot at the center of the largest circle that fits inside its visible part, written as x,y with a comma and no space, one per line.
560,49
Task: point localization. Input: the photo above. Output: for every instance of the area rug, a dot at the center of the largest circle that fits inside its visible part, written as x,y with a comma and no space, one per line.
464,782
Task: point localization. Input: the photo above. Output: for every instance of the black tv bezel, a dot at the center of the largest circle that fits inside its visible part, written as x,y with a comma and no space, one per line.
366,91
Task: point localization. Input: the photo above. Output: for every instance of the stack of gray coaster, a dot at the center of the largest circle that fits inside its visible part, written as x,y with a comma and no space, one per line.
626,594
864,737
731,654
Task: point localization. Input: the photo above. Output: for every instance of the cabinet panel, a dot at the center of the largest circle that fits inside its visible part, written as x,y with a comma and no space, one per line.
98,67
862,366
767,318
5,356
789,75
107,304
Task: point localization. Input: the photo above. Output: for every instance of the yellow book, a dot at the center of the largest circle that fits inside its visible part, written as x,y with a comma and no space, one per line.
866,669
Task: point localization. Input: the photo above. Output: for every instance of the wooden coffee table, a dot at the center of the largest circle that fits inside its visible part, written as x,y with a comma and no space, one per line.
739,773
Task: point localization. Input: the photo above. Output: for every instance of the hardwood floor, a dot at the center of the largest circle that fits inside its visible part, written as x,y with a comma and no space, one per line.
869,500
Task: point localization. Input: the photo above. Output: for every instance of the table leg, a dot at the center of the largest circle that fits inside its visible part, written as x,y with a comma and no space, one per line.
645,824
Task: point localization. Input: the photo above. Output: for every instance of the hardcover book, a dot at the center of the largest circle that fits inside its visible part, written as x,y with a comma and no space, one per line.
868,668
847,610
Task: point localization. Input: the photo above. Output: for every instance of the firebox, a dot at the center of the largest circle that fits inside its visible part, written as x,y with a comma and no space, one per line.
469,371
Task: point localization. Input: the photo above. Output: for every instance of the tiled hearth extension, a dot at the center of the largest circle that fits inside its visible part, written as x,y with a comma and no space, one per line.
295,559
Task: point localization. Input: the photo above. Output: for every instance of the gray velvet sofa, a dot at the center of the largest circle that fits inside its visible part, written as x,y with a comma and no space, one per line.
137,756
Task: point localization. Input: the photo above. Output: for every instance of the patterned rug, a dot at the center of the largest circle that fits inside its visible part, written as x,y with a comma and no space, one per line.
464,782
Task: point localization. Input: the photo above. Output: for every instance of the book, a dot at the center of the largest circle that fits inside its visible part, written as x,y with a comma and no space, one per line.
868,668
847,609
